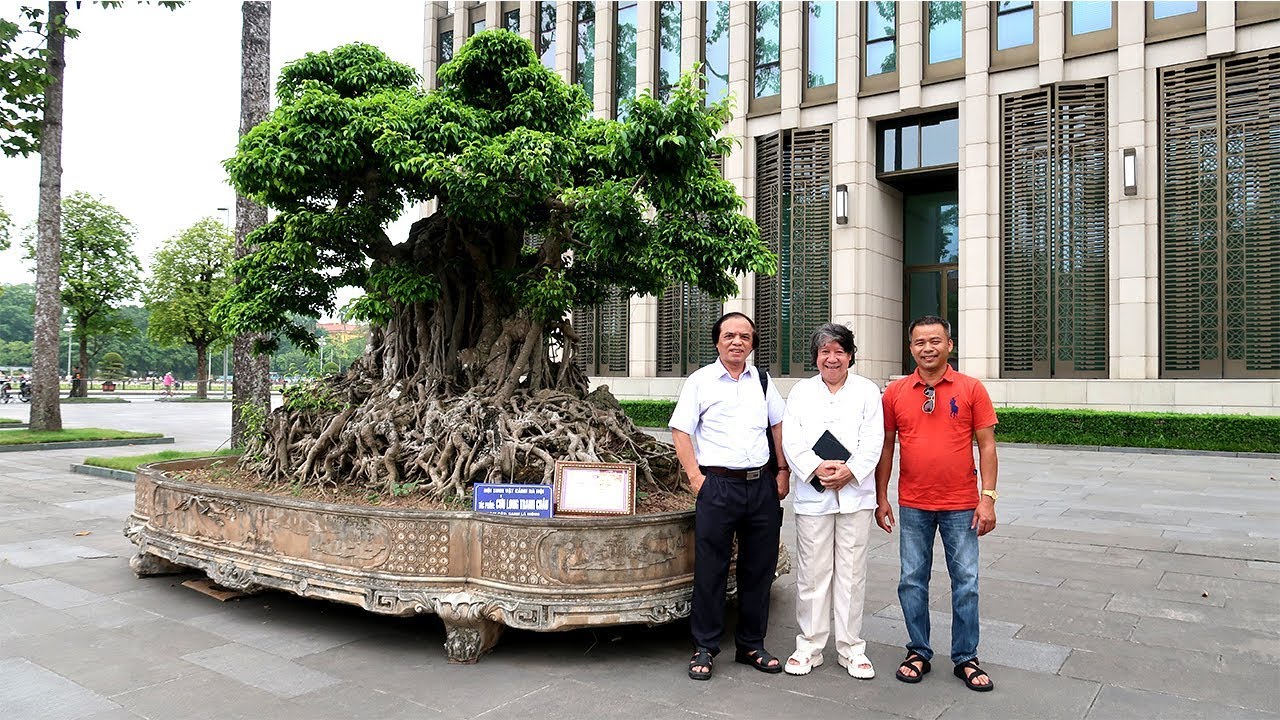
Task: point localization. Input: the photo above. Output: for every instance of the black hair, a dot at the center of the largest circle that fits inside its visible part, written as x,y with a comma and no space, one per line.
715,329
829,332
929,320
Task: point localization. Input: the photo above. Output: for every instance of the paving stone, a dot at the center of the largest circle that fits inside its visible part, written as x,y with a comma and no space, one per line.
201,695
1200,610
1117,703
23,617
287,635
31,692
1268,550
1040,696
109,614
1264,646
1244,592
262,670
1132,542
53,593
38,553
990,587
117,507
98,659
997,641
349,702
1170,672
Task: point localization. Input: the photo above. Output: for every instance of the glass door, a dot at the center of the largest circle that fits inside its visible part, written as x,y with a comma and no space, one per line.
931,249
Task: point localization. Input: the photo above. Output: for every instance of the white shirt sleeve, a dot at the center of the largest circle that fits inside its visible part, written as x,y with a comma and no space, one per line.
686,416
870,433
795,436
776,405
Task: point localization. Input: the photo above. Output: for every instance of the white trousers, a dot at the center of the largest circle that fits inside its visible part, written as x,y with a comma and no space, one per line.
831,560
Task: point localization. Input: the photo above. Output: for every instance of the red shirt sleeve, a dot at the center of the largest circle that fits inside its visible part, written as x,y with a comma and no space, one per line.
984,413
886,402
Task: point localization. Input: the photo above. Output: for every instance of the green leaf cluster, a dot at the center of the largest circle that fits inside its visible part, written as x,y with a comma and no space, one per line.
190,275
511,153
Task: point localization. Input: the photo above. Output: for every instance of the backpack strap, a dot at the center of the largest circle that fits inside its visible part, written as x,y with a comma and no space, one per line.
768,428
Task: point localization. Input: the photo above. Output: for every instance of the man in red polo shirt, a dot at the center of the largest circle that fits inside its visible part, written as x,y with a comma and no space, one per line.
935,413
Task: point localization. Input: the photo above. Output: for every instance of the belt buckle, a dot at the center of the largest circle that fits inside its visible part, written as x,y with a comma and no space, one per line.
753,474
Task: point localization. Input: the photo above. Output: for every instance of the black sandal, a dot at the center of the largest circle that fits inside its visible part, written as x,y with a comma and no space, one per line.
758,659
701,658
978,672
910,663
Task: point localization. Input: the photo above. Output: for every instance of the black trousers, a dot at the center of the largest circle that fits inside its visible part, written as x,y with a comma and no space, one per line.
748,509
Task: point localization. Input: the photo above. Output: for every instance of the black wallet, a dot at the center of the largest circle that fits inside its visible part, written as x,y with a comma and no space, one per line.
828,447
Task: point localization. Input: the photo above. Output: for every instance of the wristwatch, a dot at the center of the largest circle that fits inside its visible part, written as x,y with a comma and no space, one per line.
991,494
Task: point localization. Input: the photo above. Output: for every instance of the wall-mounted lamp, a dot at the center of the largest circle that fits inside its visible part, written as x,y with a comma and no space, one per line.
1130,168
842,204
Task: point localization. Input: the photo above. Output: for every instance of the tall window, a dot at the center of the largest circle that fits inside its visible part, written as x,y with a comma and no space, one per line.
1053,217
547,34
511,20
715,49
668,48
820,51
766,78
793,210
1013,43
944,40
624,57
444,52
880,46
1091,27
477,26
1220,227
584,41
1167,20
685,317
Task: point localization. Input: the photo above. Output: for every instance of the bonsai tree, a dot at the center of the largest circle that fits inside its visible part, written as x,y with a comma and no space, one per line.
111,368
470,372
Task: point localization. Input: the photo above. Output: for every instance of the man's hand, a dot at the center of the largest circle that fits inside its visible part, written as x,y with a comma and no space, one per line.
984,517
833,474
695,483
784,483
884,516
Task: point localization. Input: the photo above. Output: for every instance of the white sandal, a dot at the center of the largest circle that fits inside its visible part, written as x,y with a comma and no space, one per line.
801,663
855,668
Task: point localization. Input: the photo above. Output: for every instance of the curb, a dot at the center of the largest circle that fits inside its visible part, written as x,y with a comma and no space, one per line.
14,426
1152,451
109,473
76,445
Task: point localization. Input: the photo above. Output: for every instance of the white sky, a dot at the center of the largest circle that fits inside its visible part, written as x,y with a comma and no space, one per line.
152,105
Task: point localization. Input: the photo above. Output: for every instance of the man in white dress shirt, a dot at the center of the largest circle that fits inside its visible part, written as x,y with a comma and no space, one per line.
724,408
832,524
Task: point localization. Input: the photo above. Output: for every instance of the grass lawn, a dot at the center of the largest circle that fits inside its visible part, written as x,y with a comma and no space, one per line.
94,399
10,421
131,462
23,437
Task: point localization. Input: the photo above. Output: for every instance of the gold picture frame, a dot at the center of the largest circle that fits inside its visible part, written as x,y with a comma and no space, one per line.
584,488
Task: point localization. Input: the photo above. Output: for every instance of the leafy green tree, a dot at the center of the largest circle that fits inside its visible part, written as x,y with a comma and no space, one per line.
146,358
6,224
471,371
15,352
112,367
99,270
189,276
17,302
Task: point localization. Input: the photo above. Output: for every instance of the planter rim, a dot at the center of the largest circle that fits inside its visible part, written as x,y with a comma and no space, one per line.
158,472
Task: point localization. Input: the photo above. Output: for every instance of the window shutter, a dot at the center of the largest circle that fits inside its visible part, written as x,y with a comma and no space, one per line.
810,256
1251,207
670,334
769,218
584,326
614,327
1026,226
1080,241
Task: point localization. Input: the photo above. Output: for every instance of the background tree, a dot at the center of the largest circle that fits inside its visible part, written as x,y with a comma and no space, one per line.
146,358
17,302
6,224
471,373
33,63
251,387
189,276
99,271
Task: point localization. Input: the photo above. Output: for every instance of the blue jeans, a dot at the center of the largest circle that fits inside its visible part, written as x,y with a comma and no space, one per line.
918,528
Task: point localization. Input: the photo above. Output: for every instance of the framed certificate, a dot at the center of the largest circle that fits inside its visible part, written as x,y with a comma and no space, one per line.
595,488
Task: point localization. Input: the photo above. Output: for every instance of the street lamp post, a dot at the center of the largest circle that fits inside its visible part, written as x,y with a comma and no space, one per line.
70,329
323,341
226,222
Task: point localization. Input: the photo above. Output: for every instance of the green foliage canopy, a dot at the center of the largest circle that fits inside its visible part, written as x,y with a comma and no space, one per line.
511,152
189,277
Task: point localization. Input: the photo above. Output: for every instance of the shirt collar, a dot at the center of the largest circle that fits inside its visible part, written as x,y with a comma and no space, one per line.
947,376
724,371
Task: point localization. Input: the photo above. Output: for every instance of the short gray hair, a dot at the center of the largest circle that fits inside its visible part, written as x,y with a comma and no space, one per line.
828,333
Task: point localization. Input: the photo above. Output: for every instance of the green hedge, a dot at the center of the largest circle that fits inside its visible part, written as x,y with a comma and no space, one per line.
1231,433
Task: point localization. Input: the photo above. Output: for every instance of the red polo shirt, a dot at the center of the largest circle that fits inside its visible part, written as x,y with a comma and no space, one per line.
936,468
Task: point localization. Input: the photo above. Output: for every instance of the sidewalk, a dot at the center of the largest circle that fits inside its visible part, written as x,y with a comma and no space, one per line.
1116,585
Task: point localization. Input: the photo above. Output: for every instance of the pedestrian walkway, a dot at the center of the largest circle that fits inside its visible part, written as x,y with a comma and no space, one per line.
1116,585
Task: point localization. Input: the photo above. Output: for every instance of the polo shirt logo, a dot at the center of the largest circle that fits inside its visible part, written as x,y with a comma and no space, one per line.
955,409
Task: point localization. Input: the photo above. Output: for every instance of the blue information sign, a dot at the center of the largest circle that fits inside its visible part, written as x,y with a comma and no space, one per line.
513,500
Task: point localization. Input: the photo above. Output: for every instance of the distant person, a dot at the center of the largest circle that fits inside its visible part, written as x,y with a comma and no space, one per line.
167,381
835,500
935,413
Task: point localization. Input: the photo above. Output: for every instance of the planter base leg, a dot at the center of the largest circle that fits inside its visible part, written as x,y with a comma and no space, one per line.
144,564
466,639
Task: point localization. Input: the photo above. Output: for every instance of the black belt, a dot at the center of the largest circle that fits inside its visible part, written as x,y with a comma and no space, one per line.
737,473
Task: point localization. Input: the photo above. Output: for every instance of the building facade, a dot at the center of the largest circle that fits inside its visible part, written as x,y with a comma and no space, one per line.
1087,190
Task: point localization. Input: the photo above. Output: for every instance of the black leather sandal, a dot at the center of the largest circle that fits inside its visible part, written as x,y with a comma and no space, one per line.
978,672
758,659
701,659
910,663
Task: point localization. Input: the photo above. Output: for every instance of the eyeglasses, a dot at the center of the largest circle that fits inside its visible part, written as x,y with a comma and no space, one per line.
928,400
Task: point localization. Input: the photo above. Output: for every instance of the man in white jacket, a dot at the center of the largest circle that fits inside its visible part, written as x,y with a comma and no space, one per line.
835,500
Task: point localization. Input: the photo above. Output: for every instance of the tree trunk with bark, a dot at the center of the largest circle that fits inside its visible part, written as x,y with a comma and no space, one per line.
202,370
251,386
46,413
81,389
462,389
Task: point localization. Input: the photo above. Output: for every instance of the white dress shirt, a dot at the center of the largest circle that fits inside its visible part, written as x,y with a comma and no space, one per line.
854,416
727,418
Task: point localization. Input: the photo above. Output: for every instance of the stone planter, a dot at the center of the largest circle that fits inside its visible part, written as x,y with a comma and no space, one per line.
478,572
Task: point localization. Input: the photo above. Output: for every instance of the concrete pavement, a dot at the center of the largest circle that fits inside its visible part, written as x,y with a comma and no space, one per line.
1117,585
